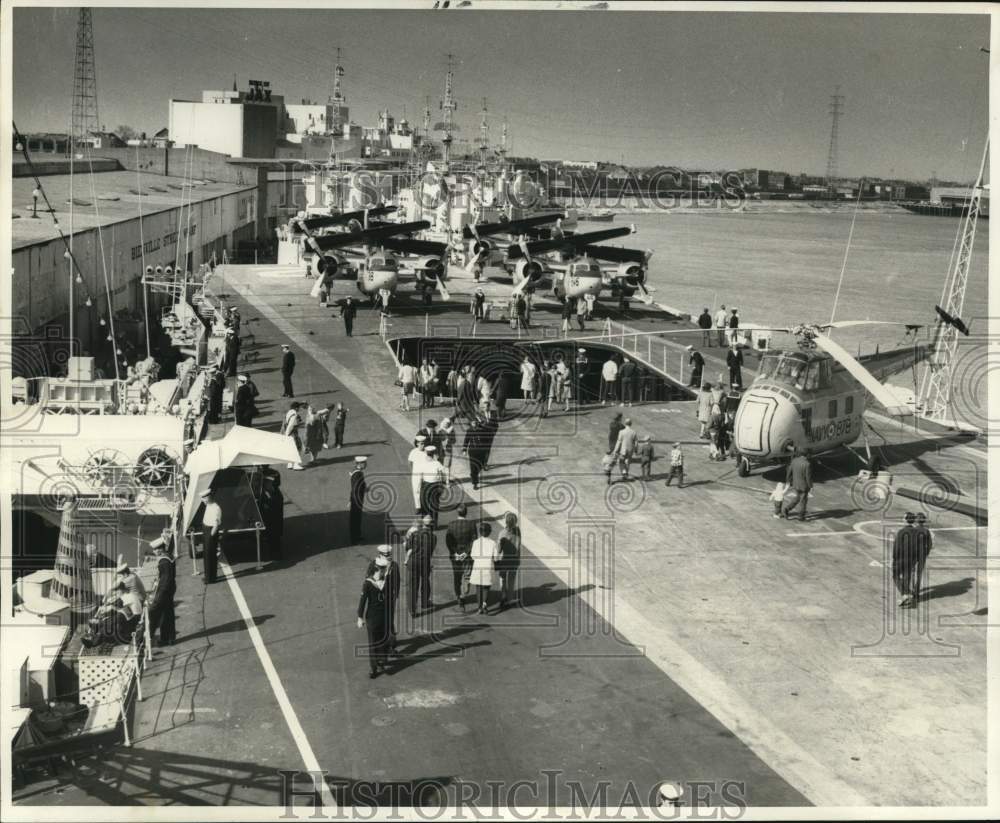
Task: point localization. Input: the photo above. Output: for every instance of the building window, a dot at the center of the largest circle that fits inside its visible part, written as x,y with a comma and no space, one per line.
833,409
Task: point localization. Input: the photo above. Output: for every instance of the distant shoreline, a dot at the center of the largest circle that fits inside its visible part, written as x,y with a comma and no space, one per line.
746,207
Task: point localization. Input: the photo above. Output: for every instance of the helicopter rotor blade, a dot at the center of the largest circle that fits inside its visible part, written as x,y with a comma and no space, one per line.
862,375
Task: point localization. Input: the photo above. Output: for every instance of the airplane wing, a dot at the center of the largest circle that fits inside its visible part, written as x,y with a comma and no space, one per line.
862,375
369,236
574,242
508,226
310,224
614,254
405,245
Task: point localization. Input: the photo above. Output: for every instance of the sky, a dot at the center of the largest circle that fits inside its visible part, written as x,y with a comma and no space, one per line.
713,90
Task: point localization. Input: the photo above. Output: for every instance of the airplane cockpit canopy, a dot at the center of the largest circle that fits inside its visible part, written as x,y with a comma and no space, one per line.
585,268
804,371
383,263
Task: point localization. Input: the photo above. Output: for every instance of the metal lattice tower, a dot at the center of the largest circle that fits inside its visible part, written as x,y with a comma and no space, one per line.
448,106
84,80
836,109
935,391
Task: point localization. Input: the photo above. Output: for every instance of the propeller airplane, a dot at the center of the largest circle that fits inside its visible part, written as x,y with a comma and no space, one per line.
376,252
576,271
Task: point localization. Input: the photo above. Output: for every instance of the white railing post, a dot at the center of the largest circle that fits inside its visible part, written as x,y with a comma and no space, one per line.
427,325
681,372
649,349
123,706
664,357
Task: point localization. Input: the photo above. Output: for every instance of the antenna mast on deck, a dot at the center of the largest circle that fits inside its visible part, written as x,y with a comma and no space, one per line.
935,391
84,80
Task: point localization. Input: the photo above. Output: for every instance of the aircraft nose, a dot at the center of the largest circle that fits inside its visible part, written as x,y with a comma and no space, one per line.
766,424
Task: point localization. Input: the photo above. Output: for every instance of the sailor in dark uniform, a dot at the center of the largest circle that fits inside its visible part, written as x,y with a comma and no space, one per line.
375,615
243,402
394,583
359,487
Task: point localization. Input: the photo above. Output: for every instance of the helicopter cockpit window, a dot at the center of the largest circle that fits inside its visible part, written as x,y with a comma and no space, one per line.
812,379
769,365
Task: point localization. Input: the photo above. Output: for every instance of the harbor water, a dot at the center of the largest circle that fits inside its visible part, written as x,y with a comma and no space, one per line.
780,265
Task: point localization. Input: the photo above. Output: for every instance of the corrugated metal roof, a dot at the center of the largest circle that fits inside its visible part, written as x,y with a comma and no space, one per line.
102,199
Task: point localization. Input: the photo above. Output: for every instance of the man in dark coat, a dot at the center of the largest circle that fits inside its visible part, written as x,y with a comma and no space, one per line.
272,510
490,429
904,557
627,376
467,402
544,389
705,324
697,362
287,369
734,359
359,488
459,537
348,310
799,479
615,426
216,386
475,447
420,547
923,542
243,406
500,395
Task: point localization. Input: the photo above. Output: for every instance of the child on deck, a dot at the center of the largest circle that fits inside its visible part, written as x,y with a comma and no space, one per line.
777,496
608,463
676,466
646,457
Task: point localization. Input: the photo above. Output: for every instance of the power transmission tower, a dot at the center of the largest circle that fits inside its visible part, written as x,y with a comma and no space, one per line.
836,109
84,81
935,391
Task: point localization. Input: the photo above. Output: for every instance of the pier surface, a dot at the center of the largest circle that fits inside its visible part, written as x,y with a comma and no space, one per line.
665,634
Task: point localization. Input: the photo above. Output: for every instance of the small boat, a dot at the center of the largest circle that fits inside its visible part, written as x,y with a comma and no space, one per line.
601,216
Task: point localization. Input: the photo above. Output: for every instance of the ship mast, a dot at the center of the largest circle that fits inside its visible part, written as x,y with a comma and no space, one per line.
484,135
448,106
335,127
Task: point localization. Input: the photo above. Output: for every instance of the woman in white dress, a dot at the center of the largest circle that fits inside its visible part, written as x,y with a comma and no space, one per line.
528,379
484,553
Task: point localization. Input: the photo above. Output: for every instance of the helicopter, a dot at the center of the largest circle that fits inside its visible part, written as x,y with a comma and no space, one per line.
814,397
578,270
374,249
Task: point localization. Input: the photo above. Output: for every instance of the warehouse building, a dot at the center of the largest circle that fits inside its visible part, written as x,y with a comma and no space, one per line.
116,232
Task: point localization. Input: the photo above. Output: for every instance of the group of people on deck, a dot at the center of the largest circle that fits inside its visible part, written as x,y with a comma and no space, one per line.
476,559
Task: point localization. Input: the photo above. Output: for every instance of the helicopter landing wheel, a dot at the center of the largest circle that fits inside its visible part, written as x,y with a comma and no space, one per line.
743,467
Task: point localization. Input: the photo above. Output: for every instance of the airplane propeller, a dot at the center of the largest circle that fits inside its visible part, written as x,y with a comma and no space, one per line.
531,269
